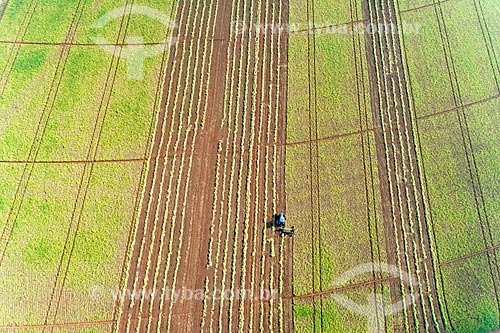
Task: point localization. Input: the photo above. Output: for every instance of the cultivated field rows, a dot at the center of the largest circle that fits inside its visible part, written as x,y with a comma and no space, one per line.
63,248
436,155
222,137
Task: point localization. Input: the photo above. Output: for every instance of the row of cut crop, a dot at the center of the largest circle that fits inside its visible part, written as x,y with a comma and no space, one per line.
263,45
249,176
235,131
197,122
163,167
228,100
241,104
186,97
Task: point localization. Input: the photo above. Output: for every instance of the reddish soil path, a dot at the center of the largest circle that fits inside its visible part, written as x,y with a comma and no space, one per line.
408,230
215,178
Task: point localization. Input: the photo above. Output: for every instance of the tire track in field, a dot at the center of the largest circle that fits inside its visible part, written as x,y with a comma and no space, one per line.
88,168
3,8
488,42
405,213
369,187
38,137
477,190
7,70
313,162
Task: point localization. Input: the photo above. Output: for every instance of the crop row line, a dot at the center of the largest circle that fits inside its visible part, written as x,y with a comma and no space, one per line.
198,123
234,14
213,15
242,105
278,128
248,195
264,72
227,108
241,78
144,224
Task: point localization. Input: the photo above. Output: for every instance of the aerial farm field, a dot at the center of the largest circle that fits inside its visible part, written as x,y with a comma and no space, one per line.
145,147
393,147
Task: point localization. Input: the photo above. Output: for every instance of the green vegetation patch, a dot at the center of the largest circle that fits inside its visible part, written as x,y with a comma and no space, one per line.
149,28
74,115
304,315
472,62
88,29
51,21
298,89
328,12
484,121
470,296
32,256
430,82
344,219
24,99
491,12
12,19
298,196
130,112
336,85
298,13
94,272
452,204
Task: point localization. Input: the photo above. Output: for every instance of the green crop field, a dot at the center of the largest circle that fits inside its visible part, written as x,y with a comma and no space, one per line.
381,146
66,219
333,173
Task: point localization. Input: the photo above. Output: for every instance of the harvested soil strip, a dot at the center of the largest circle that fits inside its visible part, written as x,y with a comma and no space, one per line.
406,224
204,127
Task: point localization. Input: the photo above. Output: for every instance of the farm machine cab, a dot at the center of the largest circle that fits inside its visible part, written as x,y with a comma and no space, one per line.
279,223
